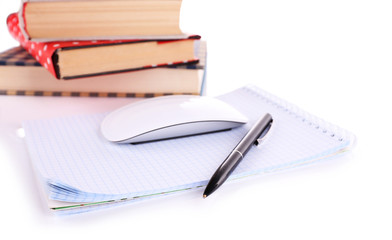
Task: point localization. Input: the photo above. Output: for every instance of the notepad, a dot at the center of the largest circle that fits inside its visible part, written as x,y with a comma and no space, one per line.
81,171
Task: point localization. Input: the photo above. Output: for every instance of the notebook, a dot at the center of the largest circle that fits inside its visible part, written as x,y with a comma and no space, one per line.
81,171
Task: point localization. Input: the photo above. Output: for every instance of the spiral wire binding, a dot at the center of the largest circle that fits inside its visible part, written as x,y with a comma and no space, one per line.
316,123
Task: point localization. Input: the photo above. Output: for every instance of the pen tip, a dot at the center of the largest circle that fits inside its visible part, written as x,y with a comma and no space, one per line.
204,196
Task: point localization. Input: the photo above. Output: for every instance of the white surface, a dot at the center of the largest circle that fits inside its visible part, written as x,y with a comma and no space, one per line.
332,58
178,116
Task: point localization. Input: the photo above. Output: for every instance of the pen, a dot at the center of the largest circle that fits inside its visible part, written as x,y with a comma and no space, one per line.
258,131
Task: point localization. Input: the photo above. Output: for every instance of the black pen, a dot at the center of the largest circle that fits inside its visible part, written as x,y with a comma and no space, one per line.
258,131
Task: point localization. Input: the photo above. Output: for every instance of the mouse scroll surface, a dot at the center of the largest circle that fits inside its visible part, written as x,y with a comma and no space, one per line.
169,117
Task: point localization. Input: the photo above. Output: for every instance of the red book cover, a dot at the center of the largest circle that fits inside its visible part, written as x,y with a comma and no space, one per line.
45,52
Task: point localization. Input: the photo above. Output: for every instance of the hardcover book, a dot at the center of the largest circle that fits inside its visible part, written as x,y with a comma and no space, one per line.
21,74
76,59
48,20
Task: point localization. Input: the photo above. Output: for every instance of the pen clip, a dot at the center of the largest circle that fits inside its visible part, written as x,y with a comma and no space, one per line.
263,134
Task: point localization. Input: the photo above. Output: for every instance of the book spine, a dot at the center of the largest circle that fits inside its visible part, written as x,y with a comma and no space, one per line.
42,52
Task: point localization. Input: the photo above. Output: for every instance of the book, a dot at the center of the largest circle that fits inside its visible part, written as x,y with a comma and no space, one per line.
79,170
76,59
21,74
48,20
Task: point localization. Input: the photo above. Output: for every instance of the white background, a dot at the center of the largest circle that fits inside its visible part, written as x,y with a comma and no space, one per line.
331,58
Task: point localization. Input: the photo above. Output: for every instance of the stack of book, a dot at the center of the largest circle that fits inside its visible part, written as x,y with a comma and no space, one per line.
114,48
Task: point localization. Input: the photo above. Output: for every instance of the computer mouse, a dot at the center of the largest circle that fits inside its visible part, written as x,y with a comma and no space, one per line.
169,117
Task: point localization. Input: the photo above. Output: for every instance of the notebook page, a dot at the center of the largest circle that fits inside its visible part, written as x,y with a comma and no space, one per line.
82,166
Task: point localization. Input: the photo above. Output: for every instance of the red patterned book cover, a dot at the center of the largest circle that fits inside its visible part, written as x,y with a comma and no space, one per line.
48,54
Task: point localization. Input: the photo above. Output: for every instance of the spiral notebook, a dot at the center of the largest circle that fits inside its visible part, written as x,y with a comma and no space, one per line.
81,171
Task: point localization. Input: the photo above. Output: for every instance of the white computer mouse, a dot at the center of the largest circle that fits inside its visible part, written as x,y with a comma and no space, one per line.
169,117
